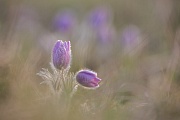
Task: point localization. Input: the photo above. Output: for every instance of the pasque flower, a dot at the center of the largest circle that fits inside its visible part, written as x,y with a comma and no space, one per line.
131,36
105,34
87,78
64,21
61,55
99,17
132,40
62,81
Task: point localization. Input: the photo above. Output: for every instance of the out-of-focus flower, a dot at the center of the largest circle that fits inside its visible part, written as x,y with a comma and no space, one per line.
105,34
64,21
61,54
87,78
131,38
99,17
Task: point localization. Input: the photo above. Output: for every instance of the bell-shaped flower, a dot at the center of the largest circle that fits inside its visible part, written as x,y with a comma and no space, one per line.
61,55
88,79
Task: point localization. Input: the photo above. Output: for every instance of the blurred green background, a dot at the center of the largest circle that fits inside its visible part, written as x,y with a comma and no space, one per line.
133,45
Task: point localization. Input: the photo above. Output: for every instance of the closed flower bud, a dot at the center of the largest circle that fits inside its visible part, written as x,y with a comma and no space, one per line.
87,78
61,55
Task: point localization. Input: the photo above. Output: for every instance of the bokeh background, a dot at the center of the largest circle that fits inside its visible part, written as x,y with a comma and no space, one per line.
133,45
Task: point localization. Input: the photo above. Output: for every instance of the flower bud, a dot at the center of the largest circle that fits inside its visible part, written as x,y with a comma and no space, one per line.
61,54
88,79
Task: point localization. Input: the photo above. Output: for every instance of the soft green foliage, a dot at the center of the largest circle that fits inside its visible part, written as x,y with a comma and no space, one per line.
60,82
138,83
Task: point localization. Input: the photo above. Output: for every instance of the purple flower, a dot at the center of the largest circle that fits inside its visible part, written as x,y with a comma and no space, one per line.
105,34
131,37
61,54
88,79
64,21
99,17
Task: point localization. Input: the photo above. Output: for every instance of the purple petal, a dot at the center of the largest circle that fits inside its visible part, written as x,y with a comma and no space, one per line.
88,72
97,79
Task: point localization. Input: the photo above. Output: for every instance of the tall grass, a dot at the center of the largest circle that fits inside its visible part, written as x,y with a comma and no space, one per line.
141,83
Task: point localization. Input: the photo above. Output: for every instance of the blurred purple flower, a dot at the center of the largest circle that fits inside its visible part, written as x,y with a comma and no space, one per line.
61,54
99,17
88,79
105,34
131,37
64,21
